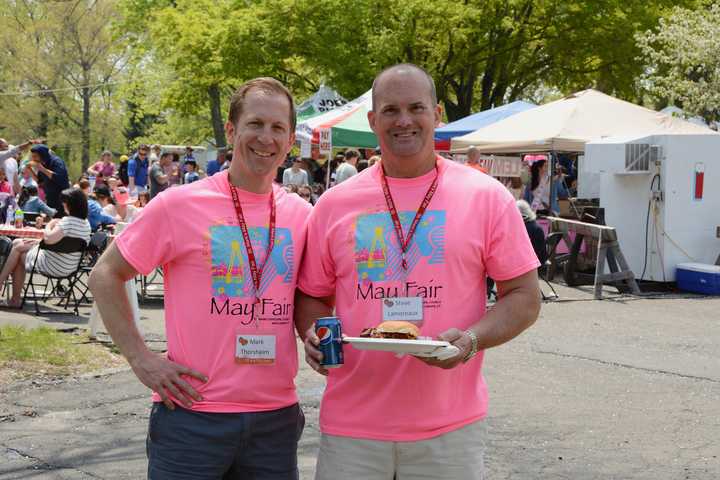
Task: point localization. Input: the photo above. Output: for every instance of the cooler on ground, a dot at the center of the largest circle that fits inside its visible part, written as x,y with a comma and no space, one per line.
698,278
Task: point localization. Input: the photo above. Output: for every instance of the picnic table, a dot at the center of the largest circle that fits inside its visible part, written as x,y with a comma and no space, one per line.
25,232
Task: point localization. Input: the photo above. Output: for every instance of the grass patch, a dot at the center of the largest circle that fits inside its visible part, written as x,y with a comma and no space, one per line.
45,353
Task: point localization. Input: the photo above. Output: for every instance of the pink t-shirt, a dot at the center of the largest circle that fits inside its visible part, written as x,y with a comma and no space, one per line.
471,228
105,169
192,231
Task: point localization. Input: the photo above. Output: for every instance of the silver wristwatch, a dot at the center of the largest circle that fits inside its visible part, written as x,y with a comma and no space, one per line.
474,342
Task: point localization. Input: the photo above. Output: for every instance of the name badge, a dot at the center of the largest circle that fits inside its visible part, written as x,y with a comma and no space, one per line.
255,349
409,309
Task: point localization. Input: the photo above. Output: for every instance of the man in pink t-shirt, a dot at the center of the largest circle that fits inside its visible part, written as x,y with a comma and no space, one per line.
410,417
230,245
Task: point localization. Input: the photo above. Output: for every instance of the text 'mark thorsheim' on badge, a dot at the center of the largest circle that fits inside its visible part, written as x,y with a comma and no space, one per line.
255,349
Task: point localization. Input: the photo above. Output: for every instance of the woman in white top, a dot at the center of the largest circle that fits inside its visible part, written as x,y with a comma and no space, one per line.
123,208
24,251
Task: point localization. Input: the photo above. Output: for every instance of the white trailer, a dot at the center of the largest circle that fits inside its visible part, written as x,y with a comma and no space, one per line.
662,195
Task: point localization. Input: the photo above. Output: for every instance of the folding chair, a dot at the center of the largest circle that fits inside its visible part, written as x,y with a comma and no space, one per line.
546,270
65,245
97,245
151,282
5,247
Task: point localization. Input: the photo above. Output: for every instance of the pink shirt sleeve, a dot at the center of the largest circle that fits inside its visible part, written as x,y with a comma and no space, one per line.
510,253
317,270
147,243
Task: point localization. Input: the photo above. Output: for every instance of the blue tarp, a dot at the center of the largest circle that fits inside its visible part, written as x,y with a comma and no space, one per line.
479,120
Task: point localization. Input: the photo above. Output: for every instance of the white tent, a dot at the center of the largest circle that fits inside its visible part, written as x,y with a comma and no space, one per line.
680,113
566,125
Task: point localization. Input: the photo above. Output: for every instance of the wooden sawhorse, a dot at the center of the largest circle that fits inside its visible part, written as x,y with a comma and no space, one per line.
608,250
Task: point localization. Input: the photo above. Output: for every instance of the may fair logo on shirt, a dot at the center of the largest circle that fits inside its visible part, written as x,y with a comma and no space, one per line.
378,255
230,271
231,275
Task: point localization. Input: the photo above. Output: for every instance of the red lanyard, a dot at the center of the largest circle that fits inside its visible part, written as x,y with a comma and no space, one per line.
405,242
254,270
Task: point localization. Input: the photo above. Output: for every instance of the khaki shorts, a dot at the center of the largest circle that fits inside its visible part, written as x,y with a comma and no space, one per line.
456,455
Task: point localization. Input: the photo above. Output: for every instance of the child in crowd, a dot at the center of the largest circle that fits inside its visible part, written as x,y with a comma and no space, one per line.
84,185
306,194
121,206
142,199
5,186
112,183
30,202
191,175
26,176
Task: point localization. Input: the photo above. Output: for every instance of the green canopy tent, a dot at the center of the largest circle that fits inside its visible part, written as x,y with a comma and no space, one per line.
348,124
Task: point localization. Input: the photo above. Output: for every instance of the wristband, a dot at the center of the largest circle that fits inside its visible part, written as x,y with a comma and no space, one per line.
474,342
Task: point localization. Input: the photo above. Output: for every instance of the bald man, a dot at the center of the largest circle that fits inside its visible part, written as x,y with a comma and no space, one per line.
416,238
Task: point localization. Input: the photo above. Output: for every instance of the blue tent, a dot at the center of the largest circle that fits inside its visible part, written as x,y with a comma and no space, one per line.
479,120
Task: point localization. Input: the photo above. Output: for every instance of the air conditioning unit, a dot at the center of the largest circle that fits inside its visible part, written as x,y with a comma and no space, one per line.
640,158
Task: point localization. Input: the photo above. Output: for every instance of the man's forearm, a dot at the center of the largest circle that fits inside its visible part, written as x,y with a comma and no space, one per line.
512,314
109,292
308,309
48,173
131,184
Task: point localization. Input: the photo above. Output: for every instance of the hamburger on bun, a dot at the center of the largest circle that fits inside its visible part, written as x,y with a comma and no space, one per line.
393,329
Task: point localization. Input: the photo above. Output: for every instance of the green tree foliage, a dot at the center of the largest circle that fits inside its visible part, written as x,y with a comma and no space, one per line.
186,41
683,56
187,56
64,56
482,53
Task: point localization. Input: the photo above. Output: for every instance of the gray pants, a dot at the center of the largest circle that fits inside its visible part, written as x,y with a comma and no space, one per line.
456,455
182,444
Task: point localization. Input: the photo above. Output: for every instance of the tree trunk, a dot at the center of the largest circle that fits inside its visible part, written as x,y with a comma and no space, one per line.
43,125
216,116
85,129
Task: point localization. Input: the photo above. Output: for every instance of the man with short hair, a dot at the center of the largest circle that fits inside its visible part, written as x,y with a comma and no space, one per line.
415,237
230,245
159,180
473,160
348,168
187,158
295,175
138,166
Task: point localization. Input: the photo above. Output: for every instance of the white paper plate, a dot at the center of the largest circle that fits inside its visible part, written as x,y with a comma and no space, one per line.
421,348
